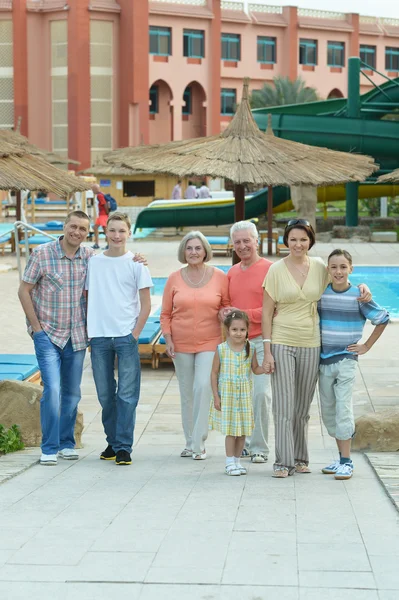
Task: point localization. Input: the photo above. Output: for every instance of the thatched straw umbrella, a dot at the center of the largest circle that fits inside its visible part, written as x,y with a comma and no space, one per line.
20,170
17,139
107,169
244,154
392,177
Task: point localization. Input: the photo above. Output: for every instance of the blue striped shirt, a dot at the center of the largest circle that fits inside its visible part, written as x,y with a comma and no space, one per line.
342,319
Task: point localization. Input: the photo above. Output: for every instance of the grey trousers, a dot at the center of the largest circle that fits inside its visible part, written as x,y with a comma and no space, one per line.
194,374
293,383
261,401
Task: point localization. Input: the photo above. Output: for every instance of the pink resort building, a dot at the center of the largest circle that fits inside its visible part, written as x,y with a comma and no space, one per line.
87,76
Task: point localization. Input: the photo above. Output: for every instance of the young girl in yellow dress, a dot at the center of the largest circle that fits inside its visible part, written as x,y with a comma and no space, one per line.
231,379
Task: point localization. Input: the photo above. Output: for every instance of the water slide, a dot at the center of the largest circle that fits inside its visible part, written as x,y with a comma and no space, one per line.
324,123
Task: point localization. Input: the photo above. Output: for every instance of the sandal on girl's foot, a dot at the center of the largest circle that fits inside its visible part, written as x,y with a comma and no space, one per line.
280,472
301,467
242,469
232,470
186,453
199,455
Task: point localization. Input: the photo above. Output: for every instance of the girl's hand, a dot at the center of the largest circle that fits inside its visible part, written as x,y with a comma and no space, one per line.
268,363
217,404
365,294
358,349
170,349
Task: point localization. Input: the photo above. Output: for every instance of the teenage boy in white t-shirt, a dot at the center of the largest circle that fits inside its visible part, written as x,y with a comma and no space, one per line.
119,303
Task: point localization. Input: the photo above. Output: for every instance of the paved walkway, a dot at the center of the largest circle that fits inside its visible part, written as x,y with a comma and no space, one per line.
173,528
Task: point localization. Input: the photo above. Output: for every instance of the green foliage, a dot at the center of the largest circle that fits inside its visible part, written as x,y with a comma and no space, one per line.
372,206
10,439
283,91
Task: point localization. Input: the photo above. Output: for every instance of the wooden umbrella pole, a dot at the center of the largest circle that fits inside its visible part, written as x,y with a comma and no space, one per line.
18,211
270,221
239,211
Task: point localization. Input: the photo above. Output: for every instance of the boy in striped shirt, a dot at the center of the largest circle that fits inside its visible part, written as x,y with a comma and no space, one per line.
342,319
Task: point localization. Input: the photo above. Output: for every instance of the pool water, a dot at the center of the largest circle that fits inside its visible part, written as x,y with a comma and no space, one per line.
383,282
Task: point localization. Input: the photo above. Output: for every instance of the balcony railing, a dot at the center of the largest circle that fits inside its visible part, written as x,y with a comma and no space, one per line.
321,14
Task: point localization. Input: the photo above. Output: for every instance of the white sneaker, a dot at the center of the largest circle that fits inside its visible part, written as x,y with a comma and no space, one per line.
344,471
48,459
68,454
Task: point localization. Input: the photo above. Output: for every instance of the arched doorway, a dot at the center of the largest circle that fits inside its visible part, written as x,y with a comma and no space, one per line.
193,111
160,97
335,93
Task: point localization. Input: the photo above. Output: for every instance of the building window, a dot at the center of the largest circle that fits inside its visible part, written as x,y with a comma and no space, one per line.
101,87
139,188
391,59
336,54
193,43
161,41
308,52
266,49
154,99
231,47
368,55
6,75
187,98
228,101
59,86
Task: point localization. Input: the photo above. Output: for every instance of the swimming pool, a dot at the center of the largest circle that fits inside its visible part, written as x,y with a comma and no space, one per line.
383,282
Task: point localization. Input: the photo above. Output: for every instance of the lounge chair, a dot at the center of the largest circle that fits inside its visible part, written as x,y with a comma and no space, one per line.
160,352
281,247
19,367
5,240
220,243
147,339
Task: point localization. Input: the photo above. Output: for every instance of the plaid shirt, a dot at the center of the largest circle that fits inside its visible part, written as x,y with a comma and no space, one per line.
58,293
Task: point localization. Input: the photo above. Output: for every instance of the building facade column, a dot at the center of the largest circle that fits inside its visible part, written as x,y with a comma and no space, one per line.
79,146
215,45
134,69
291,43
354,45
177,121
20,64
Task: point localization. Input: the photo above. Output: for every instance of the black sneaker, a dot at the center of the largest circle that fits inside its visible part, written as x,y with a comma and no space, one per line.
108,454
123,458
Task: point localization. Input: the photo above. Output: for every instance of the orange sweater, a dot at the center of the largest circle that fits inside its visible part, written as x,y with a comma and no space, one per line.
190,315
246,292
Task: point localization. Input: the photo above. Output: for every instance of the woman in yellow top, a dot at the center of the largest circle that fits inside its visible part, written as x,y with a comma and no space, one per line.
291,338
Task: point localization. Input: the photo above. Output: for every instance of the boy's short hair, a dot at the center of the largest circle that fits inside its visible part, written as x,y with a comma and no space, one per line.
340,252
77,213
120,216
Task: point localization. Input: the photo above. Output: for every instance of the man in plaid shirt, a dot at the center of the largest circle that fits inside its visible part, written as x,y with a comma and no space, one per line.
51,294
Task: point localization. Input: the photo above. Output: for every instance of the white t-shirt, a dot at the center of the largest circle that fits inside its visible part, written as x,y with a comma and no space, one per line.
113,284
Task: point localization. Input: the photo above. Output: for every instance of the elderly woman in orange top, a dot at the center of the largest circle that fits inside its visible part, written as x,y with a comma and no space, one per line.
191,302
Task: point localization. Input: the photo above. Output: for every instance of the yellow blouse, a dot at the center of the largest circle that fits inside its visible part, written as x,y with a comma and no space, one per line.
297,321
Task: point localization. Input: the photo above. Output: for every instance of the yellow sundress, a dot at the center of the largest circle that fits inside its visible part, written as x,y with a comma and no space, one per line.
235,391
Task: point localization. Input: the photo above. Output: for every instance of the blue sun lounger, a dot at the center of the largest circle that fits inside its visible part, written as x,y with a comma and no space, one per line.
220,243
19,367
147,339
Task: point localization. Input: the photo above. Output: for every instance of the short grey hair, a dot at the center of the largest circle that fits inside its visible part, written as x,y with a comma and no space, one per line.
192,235
241,225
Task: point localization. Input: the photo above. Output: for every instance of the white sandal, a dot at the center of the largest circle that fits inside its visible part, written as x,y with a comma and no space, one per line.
199,455
186,453
232,470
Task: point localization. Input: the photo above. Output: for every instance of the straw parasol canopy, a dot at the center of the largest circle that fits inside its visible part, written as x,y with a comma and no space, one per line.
107,169
20,170
392,177
17,139
244,154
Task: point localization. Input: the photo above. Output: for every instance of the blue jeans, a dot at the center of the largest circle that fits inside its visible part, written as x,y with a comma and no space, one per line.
118,401
61,371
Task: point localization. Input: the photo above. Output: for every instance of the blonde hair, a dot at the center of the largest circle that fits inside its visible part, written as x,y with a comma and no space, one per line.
192,235
120,216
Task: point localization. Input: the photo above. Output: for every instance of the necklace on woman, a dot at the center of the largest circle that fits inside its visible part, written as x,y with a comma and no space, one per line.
192,282
298,269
